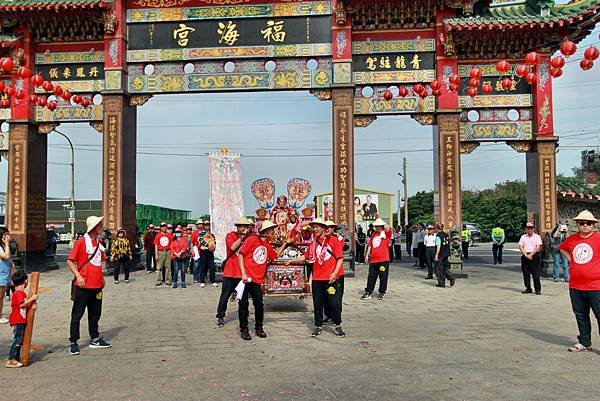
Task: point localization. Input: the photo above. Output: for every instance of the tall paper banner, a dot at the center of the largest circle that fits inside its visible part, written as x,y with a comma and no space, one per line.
226,198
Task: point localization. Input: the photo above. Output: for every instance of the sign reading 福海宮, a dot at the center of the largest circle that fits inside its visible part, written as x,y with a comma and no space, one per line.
230,32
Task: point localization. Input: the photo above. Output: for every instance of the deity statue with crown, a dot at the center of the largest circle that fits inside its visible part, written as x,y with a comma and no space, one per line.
282,216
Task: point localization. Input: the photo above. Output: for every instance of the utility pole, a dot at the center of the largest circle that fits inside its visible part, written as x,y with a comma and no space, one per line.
72,210
404,181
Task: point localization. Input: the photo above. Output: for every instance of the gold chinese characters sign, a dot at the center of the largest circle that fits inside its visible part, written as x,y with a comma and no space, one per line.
343,148
112,167
449,174
16,213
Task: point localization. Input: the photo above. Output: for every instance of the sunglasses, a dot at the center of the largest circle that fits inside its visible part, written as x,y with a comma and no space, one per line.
586,223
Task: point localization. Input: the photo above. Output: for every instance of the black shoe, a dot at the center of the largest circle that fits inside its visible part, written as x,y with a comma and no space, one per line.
74,349
440,285
317,332
220,322
527,291
380,296
495,263
339,332
245,334
538,293
452,281
260,333
99,343
327,320
429,278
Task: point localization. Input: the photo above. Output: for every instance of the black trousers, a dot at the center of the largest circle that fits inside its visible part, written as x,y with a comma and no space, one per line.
309,270
341,289
465,249
378,270
207,261
391,251
409,248
92,300
532,268
227,288
125,264
421,251
149,259
398,251
253,290
497,252
430,260
328,297
360,254
442,271
582,302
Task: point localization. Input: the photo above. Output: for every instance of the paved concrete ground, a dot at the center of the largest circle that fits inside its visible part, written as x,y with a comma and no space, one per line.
481,340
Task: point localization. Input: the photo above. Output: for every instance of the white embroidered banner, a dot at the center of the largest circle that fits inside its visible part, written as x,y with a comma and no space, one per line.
226,197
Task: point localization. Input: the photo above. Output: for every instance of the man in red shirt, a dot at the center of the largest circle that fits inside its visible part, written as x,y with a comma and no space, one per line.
253,258
149,248
378,258
583,252
328,255
85,262
162,246
179,254
232,273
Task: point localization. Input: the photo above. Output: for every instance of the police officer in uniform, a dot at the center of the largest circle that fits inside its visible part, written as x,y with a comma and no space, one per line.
442,255
498,239
465,237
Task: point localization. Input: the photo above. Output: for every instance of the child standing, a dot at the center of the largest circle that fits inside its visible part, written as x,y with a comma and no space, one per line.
18,317
5,268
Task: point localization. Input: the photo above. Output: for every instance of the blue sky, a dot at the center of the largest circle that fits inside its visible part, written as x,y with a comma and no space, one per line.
288,134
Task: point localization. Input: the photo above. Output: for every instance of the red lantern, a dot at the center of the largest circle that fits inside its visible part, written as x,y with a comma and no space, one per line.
403,92
42,101
531,78
24,72
557,62
454,79
86,102
435,84
586,64
52,105
2,86
436,92
475,73
10,91
591,53
58,90
5,102
472,92
33,99
556,72
502,66
568,48
47,86
417,88
487,89
37,80
507,83
387,95
7,64
77,99
20,95
67,95
453,88
522,70
474,82
532,58
423,94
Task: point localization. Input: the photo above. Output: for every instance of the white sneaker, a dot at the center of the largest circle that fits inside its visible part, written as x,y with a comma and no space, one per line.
126,281
3,320
215,284
201,285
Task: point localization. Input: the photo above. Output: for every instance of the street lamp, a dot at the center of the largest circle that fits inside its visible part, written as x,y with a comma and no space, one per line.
405,184
72,208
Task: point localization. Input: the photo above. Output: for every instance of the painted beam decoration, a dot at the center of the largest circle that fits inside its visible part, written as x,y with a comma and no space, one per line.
244,47
377,104
504,114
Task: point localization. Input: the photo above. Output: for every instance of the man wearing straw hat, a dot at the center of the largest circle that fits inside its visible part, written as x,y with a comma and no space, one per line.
85,262
378,258
583,252
253,257
231,272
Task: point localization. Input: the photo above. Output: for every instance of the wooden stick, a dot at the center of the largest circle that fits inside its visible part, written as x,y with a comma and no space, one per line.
34,281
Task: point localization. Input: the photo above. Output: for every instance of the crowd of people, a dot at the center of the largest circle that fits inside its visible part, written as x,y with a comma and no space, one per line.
250,248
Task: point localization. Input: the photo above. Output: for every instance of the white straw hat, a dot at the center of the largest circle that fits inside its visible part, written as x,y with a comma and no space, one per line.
379,222
93,221
266,225
586,215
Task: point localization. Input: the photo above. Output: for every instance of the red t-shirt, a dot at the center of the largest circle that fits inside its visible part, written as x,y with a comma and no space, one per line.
232,267
18,315
342,244
379,243
327,252
195,238
163,241
257,252
178,245
92,271
584,269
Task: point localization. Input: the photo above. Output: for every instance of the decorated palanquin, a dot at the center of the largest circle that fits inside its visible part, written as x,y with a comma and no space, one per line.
435,60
